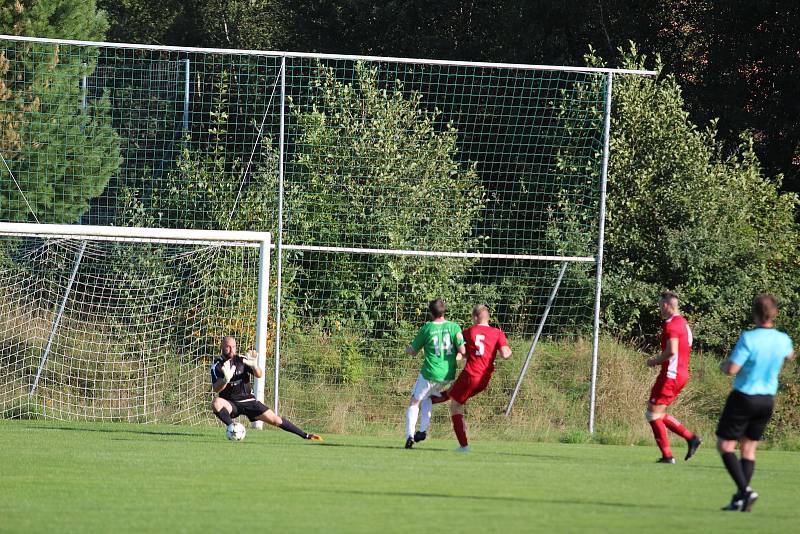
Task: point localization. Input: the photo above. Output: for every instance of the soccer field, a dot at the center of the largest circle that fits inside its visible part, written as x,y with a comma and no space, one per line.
81,477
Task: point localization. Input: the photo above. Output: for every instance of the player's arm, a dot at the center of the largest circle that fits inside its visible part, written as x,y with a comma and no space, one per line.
505,350
250,359
222,378
417,344
219,385
461,347
670,350
729,368
738,357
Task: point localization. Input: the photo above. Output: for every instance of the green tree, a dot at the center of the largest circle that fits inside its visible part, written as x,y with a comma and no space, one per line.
372,168
61,153
737,61
683,214
212,188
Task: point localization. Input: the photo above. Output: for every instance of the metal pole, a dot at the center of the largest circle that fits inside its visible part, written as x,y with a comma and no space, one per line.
59,314
262,317
279,243
84,91
536,337
186,95
600,241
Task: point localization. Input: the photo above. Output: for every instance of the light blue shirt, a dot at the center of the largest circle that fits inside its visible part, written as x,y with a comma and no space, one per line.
760,352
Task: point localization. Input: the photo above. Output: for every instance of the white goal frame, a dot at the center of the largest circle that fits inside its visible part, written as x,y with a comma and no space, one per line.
279,92
260,240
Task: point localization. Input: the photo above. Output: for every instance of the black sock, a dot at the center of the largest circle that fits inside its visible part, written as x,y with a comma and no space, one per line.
225,416
748,466
735,470
288,426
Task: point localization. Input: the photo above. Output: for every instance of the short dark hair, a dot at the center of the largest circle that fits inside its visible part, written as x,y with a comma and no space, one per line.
436,308
668,296
765,308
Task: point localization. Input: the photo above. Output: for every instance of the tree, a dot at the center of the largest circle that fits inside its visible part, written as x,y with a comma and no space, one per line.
210,187
735,60
373,168
684,214
61,153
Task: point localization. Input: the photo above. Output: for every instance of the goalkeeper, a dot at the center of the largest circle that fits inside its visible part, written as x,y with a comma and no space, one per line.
230,380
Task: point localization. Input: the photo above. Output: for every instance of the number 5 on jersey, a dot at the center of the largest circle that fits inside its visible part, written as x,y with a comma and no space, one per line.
480,349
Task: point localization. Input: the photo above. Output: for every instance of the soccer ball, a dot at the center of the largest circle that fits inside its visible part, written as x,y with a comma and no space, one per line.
236,432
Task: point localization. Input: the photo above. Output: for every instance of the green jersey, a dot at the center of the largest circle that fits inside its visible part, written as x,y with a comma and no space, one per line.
440,341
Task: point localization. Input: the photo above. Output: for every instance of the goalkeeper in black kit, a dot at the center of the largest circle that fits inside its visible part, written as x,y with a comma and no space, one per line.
230,380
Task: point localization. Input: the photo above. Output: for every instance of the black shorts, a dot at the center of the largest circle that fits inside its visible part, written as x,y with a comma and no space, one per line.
250,408
745,415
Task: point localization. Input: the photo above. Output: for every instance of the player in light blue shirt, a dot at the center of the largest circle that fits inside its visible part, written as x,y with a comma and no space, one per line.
756,362
760,354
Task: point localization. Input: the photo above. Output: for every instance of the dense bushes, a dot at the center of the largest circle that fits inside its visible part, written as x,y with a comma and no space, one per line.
373,168
683,215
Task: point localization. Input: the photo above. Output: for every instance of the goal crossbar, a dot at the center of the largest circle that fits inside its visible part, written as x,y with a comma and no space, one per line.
260,240
312,55
77,231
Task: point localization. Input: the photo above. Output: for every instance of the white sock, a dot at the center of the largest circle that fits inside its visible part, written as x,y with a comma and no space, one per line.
425,414
411,420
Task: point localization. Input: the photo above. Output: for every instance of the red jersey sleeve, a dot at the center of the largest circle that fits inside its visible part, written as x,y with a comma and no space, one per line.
501,339
672,329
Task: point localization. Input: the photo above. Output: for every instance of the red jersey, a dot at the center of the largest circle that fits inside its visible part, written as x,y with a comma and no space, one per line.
482,344
678,365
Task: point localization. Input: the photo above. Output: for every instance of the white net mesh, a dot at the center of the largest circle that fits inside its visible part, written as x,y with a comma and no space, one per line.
118,330
499,163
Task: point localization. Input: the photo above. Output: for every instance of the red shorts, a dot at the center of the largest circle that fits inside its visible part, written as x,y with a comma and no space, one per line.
467,386
666,389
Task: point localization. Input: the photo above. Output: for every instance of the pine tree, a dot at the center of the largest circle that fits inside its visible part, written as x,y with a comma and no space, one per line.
57,145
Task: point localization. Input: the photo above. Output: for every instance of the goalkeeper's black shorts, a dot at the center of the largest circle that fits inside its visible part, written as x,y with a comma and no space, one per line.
249,407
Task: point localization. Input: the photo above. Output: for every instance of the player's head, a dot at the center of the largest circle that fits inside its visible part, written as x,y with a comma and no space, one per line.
765,309
667,304
436,308
480,314
228,346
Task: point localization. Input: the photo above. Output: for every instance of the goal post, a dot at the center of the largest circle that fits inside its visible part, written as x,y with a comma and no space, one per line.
93,282
385,182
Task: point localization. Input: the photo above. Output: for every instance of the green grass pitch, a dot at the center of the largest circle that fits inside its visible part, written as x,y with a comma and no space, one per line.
89,477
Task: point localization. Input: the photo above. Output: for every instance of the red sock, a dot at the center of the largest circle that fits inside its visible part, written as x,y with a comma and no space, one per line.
460,428
660,433
676,426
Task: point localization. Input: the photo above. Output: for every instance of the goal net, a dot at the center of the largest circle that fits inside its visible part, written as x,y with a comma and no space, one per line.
385,182
110,324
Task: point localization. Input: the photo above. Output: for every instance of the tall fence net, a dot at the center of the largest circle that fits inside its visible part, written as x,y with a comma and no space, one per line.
385,183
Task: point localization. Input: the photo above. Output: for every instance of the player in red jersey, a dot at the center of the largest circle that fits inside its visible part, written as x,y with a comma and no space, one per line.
483,342
676,346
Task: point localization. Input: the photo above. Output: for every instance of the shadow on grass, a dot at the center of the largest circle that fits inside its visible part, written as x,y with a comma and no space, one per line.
424,449
533,500
114,430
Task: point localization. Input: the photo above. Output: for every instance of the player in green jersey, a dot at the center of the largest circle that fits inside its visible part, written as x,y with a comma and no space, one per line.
443,344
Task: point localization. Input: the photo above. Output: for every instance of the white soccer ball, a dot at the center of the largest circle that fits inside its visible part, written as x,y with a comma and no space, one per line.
236,432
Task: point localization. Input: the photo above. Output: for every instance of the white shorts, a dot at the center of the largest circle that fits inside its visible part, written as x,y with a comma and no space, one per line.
425,388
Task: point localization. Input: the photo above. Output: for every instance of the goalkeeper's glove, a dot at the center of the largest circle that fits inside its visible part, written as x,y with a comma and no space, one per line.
227,371
250,359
